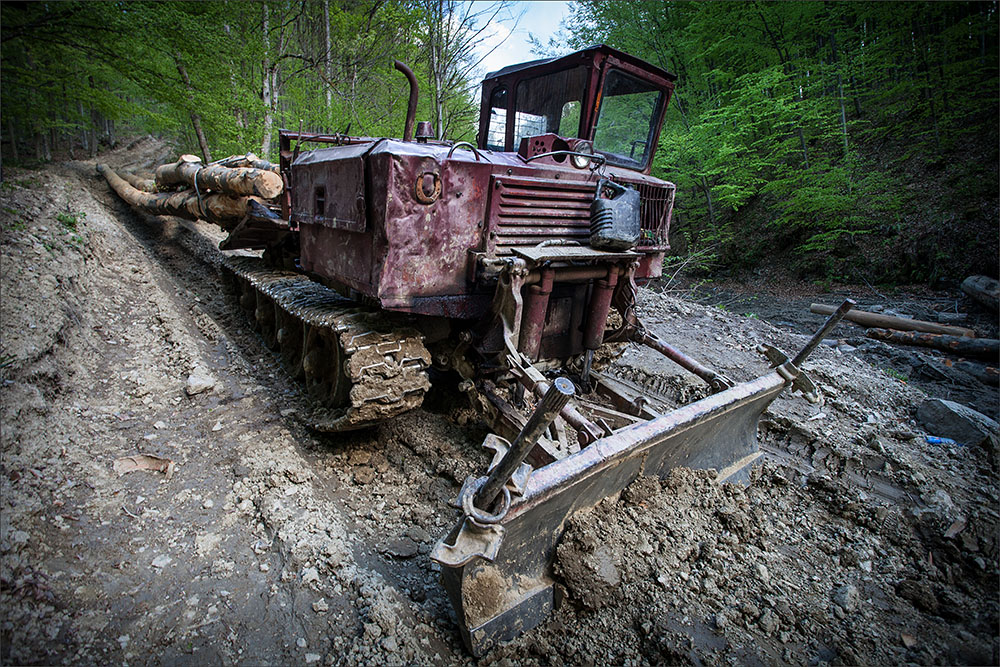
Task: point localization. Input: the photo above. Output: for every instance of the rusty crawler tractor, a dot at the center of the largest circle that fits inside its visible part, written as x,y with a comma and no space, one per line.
510,264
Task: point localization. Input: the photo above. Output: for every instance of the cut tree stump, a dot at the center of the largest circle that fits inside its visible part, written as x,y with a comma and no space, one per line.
866,319
237,181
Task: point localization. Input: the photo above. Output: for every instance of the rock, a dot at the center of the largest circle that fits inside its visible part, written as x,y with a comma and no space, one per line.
846,597
955,421
359,457
768,622
364,475
312,657
199,380
750,610
301,642
418,534
404,547
309,575
762,573
208,504
162,561
919,593
159,425
320,606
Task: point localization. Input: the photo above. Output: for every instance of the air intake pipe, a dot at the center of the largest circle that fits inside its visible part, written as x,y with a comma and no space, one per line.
411,108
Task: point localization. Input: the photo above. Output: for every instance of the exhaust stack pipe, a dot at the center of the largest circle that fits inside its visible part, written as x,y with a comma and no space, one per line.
411,108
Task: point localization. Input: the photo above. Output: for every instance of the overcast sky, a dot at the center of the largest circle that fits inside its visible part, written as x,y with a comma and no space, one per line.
540,19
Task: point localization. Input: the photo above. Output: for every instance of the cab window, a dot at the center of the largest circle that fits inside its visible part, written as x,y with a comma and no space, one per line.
550,103
626,121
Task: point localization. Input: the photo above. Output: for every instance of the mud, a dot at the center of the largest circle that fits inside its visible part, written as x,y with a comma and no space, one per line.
274,544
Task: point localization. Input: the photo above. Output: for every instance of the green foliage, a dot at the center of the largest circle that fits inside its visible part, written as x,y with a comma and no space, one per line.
77,72
781,110
896,375
70,220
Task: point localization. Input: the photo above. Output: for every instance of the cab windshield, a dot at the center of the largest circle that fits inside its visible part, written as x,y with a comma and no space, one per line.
549,103
626,122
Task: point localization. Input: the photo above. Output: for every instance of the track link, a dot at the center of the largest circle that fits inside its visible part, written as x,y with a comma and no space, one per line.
359,367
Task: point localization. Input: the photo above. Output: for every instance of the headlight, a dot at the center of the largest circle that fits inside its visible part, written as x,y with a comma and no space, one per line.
579,161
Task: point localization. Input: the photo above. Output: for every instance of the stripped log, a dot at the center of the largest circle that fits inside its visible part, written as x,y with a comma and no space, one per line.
239,181
866,319
988,348
139,183
224,210
984,290
248,160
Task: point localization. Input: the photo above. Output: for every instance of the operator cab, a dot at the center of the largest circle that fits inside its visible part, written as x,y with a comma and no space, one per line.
597,100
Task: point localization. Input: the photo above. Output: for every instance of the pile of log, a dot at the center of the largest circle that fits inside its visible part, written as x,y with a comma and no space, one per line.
957,340
225,192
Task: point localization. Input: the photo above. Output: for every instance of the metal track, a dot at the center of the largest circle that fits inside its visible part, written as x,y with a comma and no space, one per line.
359,367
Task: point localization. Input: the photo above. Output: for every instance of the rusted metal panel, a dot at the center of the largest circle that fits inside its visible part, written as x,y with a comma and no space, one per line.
375,234
347,256
427,244
499,599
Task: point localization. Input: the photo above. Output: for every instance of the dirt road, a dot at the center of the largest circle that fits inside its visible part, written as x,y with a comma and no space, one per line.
857,541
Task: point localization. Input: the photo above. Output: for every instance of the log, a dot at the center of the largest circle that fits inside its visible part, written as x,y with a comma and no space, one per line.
238,181
866,319
984,290
985,374
139,183
248,160
221,209
988,348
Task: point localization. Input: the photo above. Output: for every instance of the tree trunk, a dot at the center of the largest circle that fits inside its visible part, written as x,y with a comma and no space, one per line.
223,210
266,93
84,140
708,198
866,319
13,140
239,181
988,348
144,184
326,57
195,117
984,290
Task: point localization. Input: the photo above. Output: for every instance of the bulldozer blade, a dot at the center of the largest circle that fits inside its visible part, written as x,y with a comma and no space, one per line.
499,577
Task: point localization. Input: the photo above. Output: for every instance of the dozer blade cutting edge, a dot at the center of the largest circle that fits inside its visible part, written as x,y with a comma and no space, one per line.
497,569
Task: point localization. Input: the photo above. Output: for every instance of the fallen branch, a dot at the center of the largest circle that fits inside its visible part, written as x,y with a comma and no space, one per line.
239,181
223,210
866,319
972,347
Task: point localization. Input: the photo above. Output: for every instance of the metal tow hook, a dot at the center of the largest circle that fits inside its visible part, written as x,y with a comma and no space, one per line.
479,534
791,369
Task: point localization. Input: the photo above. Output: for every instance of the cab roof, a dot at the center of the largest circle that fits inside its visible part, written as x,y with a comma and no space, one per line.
580,55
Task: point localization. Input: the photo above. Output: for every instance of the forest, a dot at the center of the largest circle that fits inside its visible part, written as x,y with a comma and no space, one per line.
842,141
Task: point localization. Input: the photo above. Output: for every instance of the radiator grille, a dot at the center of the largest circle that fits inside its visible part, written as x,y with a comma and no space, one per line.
525,211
